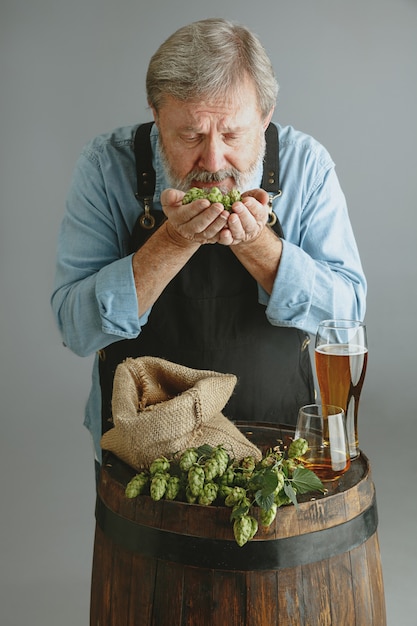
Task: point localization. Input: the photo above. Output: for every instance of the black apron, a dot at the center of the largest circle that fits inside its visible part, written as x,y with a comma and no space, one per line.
209,317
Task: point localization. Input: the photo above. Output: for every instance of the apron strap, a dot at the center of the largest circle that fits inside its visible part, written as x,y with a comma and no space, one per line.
270,180
145,174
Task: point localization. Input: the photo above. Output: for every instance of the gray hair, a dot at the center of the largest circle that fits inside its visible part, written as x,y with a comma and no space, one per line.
211,57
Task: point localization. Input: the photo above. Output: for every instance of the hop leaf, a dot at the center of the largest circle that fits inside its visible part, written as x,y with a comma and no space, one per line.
291,494
305,480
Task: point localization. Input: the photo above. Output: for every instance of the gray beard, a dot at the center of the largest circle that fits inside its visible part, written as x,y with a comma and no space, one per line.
243,180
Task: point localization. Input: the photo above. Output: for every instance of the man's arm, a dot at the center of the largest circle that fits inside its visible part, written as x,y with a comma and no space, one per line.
165,253
261,257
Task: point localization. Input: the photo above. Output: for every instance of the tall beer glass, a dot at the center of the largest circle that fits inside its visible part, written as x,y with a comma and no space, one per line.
341,355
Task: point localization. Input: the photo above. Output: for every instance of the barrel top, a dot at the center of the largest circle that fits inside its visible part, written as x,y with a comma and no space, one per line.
318,523
265,436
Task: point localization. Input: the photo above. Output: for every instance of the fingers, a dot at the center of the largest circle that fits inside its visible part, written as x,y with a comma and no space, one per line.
203,222
259,194
200,221
171,197
247,220
247,216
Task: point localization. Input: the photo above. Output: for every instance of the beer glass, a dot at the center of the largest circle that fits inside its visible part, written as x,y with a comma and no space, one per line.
341,356
324,428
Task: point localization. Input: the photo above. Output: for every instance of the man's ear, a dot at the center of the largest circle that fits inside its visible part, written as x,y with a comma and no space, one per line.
268,118
154,113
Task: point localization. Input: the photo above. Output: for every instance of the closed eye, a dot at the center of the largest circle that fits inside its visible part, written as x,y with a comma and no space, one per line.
191,138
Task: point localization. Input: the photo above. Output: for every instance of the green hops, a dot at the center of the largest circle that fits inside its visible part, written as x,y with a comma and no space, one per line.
281,481
160,464
207,475
297,448
291,465
224,490
248,464
190,498
187,459
228,477
281,499
269,460
234,195
244,529
222,459
208,493
173,487
158,486
211,469
235,496
267,516
244,471
214,195
193,194
137,485
196,479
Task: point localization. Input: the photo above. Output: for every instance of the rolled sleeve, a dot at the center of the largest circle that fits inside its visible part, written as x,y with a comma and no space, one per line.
117,301
290,300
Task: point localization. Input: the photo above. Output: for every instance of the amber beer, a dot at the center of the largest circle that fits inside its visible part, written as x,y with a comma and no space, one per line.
324,428
325,468
341,372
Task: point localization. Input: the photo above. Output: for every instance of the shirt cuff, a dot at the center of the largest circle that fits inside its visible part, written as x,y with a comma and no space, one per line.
117,300
290,301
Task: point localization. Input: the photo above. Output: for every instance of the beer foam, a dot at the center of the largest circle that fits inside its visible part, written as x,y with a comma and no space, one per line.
341,349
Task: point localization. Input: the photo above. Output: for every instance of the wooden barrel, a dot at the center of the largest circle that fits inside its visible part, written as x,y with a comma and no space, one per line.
175,564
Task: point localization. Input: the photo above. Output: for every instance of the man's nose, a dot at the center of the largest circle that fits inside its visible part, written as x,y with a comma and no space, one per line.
212,157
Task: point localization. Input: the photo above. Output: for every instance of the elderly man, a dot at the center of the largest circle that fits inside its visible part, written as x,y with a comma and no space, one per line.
141,273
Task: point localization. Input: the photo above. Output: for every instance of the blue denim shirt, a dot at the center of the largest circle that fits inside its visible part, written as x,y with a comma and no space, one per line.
94,299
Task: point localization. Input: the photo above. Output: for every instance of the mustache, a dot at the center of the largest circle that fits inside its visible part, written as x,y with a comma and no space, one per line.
213,177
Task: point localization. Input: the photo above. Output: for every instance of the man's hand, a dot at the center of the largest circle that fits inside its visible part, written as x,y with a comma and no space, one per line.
198,222
247,220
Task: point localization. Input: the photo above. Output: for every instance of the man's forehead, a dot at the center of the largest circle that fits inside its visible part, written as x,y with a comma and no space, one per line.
229,113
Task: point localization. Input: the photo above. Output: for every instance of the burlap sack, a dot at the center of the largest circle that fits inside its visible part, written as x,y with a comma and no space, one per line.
162,408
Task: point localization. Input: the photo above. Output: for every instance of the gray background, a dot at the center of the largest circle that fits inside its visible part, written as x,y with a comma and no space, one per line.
70,70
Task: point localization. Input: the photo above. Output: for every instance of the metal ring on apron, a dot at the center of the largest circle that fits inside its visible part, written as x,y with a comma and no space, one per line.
147,220
272,218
